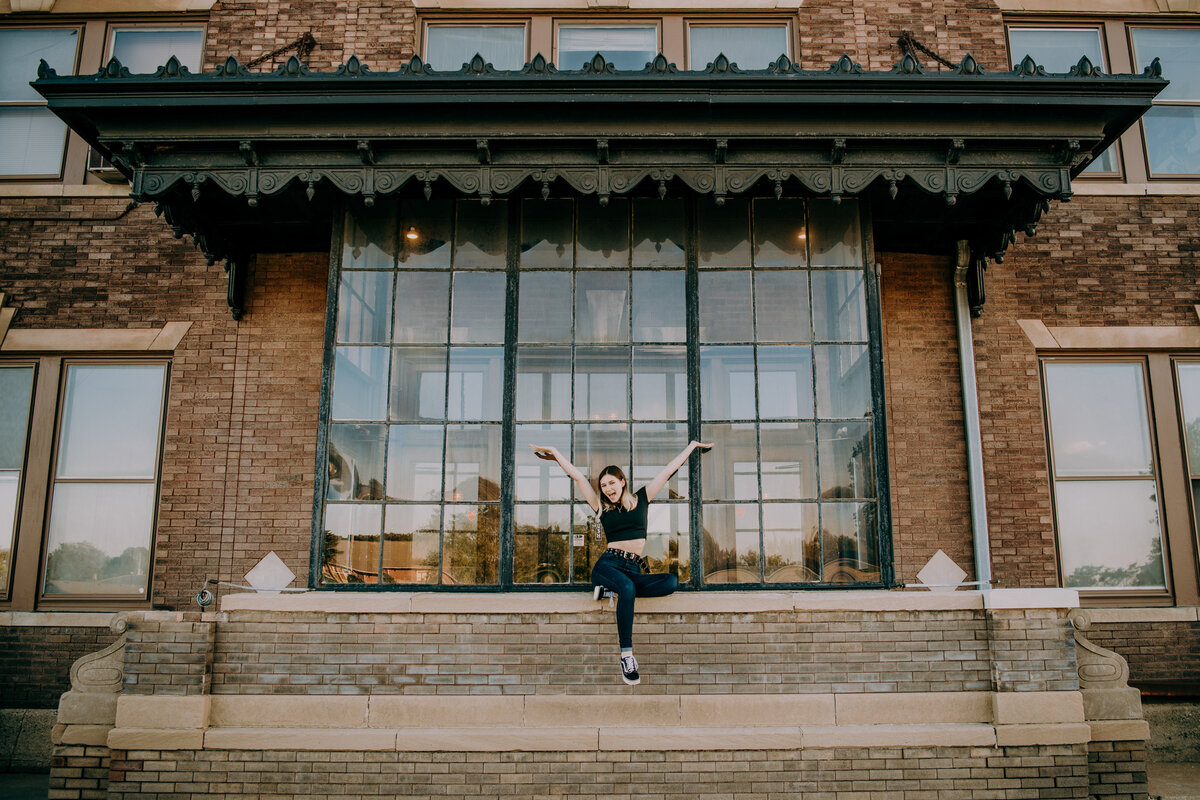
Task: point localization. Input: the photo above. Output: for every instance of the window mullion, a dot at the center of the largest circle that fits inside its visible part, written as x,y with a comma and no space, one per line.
692,306
508,433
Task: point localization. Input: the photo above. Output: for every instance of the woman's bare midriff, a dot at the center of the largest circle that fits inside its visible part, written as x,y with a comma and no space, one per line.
635,546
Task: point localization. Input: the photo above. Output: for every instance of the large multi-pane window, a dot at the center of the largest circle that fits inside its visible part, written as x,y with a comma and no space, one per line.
32,139
1172,126
465,332
625,46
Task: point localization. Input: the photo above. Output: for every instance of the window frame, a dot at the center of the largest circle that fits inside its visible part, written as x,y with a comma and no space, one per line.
69,134
732,22
475,22
33,364
602,22
1130,27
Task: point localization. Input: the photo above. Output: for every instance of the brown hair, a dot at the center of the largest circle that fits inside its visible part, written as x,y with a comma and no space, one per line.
626,498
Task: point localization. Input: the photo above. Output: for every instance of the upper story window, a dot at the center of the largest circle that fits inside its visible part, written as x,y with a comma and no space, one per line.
145,49
623,46
1173,126
748,46
32,139
448,47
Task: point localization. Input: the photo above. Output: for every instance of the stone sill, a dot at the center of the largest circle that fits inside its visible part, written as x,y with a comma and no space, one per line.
679,603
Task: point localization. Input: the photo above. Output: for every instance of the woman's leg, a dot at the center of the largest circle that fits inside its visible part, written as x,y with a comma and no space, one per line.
655,584
608,573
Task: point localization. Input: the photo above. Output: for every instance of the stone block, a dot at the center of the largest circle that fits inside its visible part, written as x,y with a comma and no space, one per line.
1016,708
1117,703
87,708
913,708
155,739
298,739
1021,735
413,711
496,740
288,711
714,738
950,735
162,711
565,710
757,709
1120,730
84,734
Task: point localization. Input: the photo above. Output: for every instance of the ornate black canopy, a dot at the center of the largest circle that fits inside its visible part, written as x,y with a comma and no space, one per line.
255,162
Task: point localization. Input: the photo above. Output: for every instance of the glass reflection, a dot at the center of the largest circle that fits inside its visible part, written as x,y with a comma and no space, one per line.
418,390
602,307
16,390
835,233
726,309
473,389
668,545
780,237
597,446
360,383
654,445
660,383
730,469
543,383
789,461
785,382
544,309
535,478
627,47
10,485
99,539
790,541
602,383
847,466
414,462
659,314
781,306
587,543
364,307
355,462
110,421
481,235
422,308
547,238
350,549
839,306
727,382
843,381
411,542
723,234
658,233
471,544
478,313
848,542
603,233
425,233
731,543
1109,534
370,241
1098,418
1189,402
472,463
542,544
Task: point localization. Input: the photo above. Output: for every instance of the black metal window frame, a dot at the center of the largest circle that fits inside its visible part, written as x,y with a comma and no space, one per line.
694,422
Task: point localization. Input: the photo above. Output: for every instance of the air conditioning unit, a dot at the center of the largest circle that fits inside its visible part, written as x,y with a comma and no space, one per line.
102,168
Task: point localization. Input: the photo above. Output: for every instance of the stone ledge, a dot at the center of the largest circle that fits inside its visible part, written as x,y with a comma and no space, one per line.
1124,730
1138,615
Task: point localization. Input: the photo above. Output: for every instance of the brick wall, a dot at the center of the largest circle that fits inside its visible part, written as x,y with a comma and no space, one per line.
1117,770
1164,656
35,663
169,654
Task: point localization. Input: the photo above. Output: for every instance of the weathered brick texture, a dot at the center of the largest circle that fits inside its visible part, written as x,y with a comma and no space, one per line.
79,773
1164,656
1117,770
167,653
35,663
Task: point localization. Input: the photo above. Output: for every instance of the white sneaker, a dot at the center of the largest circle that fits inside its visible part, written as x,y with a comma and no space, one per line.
629,670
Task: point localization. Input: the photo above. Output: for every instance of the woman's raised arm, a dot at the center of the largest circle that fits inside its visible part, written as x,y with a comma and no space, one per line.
573,472
660,480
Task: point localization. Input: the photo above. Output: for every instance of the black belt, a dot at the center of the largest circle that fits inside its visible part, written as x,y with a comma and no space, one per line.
628,556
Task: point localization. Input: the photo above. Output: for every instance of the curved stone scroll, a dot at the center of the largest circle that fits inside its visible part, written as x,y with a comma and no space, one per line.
1098,668
102,671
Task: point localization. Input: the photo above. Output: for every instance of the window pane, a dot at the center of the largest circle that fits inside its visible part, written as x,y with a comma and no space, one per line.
843,381
537,478
1109,533
99,538
790,541
730,469
411,540
1189,401
545,307
668,546
654,445
414,462
723,233
839,306
1179,51
16,390
789,461
471,544
370,241
32,141
780,236
834,233
544,383
731,543
350,551
481,234
541,544
144,50
418,384
111,421
598,446
602,307
726,310
848,542
356,462
603,233
625,46
10,485
727,382
847,464
1056,49
660,383
748,46
602,383
422,307
451,46
1173,139
476,375
20,51
547,236
364,307
785,382
425,233
659,314
473,463
658,233
781,306
1098,419
360,383
478,313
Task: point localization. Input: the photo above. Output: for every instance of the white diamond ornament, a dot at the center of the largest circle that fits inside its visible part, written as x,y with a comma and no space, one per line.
941,574
270,575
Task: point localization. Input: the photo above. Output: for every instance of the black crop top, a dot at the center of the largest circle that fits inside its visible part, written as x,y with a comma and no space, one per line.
621,525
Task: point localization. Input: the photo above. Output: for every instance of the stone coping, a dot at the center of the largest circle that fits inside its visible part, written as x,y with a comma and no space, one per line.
56,619
679,603
1140,615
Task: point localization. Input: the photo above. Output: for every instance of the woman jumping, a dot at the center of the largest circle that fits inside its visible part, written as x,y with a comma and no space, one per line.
621,567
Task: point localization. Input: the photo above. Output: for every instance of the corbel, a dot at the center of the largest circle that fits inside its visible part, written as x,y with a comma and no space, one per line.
956,149
235,269
249,154
602,150
483,151
366,152
722,149
1071,150
838,152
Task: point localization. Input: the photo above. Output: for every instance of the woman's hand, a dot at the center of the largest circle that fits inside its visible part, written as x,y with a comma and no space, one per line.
701,445
545,453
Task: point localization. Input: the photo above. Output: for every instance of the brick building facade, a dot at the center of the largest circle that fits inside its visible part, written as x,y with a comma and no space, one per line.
784,684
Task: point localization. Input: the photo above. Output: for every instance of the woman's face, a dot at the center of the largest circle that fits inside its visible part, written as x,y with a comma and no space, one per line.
612,488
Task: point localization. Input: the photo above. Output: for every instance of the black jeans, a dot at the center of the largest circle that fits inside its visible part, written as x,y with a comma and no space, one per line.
626,578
